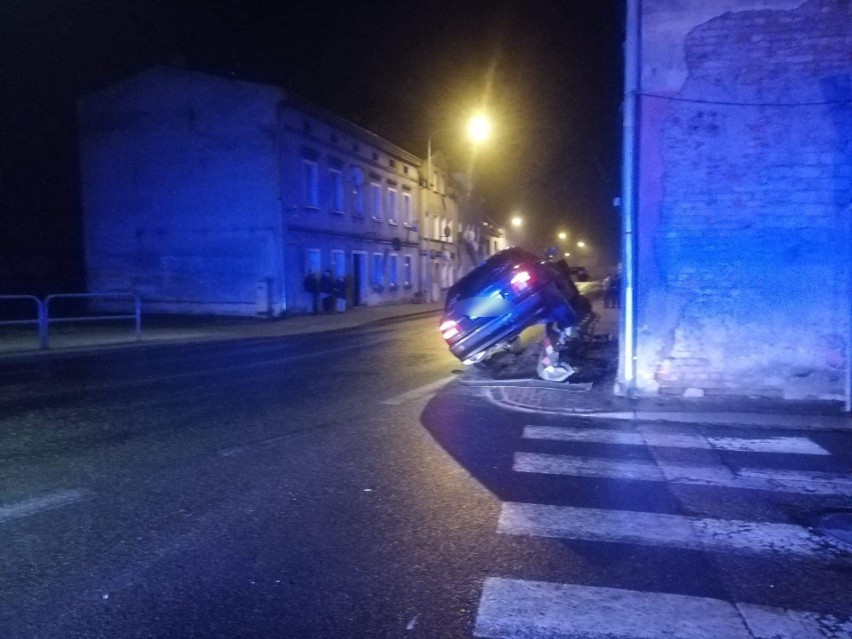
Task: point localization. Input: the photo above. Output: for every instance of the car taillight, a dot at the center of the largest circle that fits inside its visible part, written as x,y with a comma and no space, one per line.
449,329
520,281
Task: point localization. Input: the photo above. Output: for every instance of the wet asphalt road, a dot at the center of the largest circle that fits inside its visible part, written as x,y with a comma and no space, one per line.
328,485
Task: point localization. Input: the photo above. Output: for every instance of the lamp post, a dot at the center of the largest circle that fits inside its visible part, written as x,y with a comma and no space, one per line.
478,129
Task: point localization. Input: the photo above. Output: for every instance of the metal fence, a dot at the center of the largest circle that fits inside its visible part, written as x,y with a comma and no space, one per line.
42,319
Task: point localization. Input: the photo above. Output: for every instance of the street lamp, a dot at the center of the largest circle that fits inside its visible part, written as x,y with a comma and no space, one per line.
517,221
478,129
581,244
563,235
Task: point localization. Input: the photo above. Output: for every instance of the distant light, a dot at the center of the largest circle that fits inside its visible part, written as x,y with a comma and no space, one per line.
567,255
562,235
581,244
517,221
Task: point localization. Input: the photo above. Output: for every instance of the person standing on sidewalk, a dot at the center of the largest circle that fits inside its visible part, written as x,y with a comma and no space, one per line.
612,290
327,291
340,293
312,286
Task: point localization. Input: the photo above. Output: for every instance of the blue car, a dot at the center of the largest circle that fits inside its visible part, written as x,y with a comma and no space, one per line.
509,292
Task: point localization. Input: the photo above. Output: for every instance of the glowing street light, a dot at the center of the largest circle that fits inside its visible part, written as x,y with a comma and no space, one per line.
517,221
479,128
563,235
567,255
581,244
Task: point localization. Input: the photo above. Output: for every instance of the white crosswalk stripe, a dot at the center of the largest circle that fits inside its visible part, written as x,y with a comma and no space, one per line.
624,526
789,481
531,609
539,610
646,437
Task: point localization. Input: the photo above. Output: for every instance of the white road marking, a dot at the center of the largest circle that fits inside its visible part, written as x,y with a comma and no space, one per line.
538,610
40,504
788,481
623,526
417,393
786,445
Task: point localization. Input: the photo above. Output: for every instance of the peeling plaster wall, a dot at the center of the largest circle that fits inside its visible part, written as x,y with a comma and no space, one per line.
745,184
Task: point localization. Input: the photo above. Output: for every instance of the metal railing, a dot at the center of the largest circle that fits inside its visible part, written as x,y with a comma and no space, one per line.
43,320
38,321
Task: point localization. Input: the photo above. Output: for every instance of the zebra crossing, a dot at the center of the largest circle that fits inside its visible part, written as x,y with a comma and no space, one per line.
533,609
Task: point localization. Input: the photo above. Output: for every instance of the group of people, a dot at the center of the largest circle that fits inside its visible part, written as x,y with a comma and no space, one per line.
328,292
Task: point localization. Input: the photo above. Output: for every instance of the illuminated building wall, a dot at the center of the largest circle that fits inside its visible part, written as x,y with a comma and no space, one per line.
743,191
208,194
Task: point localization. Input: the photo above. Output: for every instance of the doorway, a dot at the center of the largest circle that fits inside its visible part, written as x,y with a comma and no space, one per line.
359,272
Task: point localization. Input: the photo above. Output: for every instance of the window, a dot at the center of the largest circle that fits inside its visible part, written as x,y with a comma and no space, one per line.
378,275
312,261
392,206
406,271
338,263
406,209
436,227
394,271
336,184
376,201
357,191
311,184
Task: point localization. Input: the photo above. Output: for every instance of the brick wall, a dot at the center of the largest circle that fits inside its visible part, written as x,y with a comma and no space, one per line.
744,248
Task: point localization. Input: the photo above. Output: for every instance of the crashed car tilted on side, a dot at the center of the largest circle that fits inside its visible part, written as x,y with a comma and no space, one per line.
509,292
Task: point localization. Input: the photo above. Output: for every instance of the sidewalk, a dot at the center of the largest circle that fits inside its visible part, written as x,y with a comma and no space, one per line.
519,389
160,329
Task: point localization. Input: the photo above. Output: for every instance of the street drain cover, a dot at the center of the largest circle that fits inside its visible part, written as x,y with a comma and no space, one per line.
837,525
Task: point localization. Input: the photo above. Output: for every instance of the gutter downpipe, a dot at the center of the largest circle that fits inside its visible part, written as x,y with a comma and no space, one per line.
632,69
848,406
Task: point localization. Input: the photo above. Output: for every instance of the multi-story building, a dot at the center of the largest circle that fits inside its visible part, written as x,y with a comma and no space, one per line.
210,194
440,224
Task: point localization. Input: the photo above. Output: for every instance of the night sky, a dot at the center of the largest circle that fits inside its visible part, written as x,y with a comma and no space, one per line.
549,73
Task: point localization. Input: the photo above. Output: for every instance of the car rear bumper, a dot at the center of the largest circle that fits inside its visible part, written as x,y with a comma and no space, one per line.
487,333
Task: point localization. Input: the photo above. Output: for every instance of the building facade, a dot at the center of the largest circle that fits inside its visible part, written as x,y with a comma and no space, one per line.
209,194
737,187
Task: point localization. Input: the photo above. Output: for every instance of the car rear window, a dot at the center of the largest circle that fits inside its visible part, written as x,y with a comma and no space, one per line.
486,273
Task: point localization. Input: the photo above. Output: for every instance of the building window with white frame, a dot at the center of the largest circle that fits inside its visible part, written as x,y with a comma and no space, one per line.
311,183
336,185
407,275
406,209
393,271
376,201
378,274
392,205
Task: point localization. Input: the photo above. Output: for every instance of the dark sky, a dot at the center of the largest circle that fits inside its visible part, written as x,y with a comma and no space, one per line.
548,72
